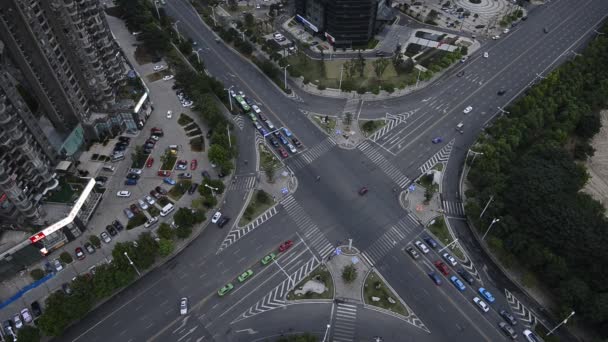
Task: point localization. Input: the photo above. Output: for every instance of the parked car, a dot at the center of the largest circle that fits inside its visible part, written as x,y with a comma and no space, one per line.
507,330
435,278
296,141
508,317
142,204
450,259
193,164
134,209
105,237
164,173
466,276
160,190
183,306
111,230
131,181
118,225
36,309
123,193
206,175
57,265
192,188
481,304
150,200
17,321
422,247
186,175
27,317
443,268
79,253
458,283
216,217
155,194
89,248
487,295
430,242
222,222
169,181
128,213
412,252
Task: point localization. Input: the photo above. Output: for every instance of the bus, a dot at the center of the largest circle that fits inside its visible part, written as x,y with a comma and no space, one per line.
241,101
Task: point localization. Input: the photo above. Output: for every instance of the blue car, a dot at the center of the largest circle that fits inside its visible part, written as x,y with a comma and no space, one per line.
435,278
431,242
437,140
131,181
263,131
459,285
128,213
486,294
287,132
169,180
283,140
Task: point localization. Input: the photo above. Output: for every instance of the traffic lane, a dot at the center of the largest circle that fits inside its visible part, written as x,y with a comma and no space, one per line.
432,304
265,92
297,318
371,323
334,203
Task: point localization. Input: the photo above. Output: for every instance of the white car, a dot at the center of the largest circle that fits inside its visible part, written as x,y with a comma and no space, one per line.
467,110
25,313
486,55
169,114
187,104
57,264
464,59
481,304
151,221
123,193
256,109
269,123
505,31
168,77
422,247
150,200
292,148
257,125
183,306
155,137
135,171
17,321
450,259
142,204
216,217
158,67
232,93
105,237
495,37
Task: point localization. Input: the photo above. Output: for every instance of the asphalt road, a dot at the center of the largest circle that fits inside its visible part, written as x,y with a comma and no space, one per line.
323,212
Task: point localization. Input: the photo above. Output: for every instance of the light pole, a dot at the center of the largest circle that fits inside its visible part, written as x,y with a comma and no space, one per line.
230,96
132,264
228,129
198,55
213,15
179,36
341,70
285,74
474,155
560,324
503,111
326,332
448,245
489,227
211,188
486,207
156,6
418,78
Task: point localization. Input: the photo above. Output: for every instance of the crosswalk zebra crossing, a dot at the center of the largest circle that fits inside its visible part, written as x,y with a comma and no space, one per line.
239,120
345,323
453,208
398,232
316,240
351,106
304,158
242,183
236,234
441,156
372,153
276,297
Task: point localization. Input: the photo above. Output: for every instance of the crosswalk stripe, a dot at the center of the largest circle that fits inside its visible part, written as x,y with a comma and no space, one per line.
382,163
318,241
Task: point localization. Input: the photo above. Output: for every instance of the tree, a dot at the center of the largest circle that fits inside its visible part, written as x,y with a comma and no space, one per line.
269,171
262,196
28,333
183,232
165,247
249,20
349,273
184,217
218,154
37,273
66,257
360,64
165,231
95,241
380,66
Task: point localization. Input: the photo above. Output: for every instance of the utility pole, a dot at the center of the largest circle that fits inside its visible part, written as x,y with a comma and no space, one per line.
341,70
132,264
228,129
198,55
230,97
179,36
486,207
560,324
285,75
489,227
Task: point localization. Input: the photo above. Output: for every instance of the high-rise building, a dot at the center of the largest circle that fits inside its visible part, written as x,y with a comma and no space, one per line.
59,68
345,23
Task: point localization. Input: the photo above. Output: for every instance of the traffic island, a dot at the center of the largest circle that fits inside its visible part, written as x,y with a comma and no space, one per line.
260,202
318,285
441,231
348,271
377,293
369,127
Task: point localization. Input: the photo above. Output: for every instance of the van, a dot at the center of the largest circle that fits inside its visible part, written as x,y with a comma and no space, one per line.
109,168
167,209
117,158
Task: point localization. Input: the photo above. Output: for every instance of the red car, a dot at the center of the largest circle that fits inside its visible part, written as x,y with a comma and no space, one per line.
183,162
164,173
134,209
283,153
285,245
193,164
443,268
149,162
79,253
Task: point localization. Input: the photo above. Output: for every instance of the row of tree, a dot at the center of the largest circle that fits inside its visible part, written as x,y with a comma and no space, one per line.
529,165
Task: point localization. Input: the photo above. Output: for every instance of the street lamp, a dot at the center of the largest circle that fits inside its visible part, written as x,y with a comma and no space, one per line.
156,6
503,111
230,97
285,73
486,207
211,188
179,37
326,332
448,245
474,155
132,264
341,70
489,227
562,322
198,52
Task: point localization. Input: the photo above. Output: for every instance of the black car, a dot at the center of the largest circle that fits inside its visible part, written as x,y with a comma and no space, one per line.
249,101
192,188
222,222
296,142
133,176
431,242
274,142
501,92
381,53
160,190
508,317
111,230
124,140
466,276
460,74
147,150
148,146
118,225
118,148
101,178
8,327
209,133
89,248
36,309
206,174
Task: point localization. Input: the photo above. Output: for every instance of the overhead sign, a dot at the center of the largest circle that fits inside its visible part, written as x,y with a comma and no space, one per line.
306,23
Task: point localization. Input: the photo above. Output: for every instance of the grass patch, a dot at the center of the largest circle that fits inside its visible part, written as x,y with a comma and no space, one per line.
153,210
66,193
169,160
142,56
197,144
194,133
184,120
267,159
260,202
179,189
321,274
329,125
440,230
163,201
370,126
190,126
375,287
136,221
